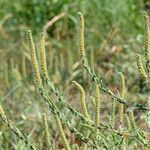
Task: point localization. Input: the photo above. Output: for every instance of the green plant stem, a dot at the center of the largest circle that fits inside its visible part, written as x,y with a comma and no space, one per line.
63,119
104,88
17,132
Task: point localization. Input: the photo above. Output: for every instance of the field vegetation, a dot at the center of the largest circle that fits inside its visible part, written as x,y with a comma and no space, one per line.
74,75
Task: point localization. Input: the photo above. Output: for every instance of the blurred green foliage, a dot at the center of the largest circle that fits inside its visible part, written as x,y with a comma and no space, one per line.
100,14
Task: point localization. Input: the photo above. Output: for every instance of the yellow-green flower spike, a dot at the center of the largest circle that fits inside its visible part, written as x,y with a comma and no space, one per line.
148,113
142,72
42,54
147,36
122,94
132,120
112,119
122,85
81,35
121,111
82,98
24,67
97,107
46,132
37,78
62,134
2,112
83,103
97,104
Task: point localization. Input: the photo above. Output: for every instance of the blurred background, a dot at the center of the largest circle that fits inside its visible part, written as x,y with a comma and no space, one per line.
113,35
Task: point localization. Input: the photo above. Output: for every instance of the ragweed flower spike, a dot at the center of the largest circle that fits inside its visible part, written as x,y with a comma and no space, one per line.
97,103
62,134
132,120
112,119
142,72
122,85
148,113
37,78
97,107
46,132
83,104
81,35
82,98
42,54
147,36
122,94
2,114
